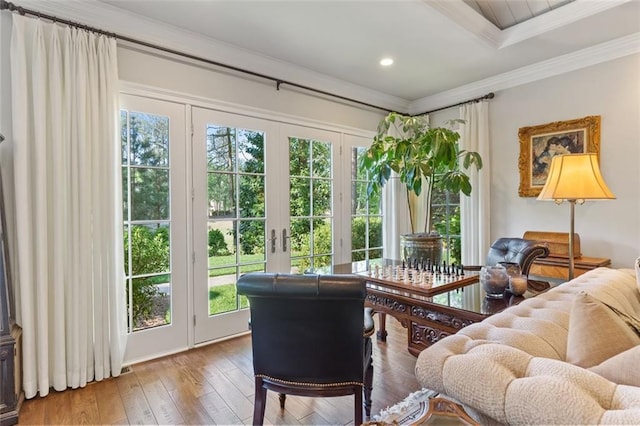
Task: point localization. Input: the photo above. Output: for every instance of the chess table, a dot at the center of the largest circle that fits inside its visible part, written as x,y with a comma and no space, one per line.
433,309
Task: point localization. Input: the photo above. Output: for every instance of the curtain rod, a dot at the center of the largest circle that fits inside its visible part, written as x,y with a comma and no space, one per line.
490,95
5,5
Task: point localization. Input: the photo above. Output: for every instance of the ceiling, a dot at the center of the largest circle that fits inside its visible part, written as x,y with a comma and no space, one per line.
439,47
507,13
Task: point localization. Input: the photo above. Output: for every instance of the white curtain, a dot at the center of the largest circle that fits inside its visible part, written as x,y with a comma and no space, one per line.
69,277
395,217
475,209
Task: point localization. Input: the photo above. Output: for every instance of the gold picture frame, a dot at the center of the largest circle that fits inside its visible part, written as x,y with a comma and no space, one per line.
538,144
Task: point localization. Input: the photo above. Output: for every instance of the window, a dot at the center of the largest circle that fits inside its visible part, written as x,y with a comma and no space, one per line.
146,214
366,219
446,220
310,205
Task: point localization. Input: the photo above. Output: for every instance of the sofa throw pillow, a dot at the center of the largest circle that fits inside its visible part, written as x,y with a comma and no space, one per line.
622,368
596,332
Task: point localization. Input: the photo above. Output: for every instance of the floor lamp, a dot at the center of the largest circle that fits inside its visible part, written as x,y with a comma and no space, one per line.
574,178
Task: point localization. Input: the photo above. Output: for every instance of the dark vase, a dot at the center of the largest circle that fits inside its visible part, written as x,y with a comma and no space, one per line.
422,246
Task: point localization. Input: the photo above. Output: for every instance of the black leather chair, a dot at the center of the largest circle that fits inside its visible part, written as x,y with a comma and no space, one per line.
520,251
309,337
516,250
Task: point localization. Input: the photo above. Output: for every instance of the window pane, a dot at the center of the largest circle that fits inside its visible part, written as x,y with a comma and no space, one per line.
358,233
250,151
149,194
251,241
375,257
358,198
322,264
375,203
298,265
251,196
321,197
151,298
299,157
221,148
300,241
299,198
321,159
149,139
375,232
438,197
357,173
222,189
322,237
220,243
149,249
222,291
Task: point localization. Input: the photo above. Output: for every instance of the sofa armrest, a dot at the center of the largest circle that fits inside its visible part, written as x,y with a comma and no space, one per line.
511,386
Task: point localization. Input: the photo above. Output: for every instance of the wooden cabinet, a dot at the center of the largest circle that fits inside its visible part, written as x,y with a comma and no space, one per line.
10,374
556,265
559,267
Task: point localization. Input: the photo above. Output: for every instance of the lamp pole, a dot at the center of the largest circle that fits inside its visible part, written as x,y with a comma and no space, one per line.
572,203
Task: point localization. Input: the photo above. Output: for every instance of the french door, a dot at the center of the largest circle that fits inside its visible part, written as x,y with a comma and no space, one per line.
235,194
263,200
154,194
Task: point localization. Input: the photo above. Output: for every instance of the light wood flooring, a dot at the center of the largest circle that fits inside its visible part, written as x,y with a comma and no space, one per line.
214,385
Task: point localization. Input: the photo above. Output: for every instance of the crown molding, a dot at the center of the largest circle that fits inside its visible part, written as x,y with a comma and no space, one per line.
106,17
593,55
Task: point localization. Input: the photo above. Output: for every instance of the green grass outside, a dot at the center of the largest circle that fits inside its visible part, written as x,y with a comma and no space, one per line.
219,263
222,298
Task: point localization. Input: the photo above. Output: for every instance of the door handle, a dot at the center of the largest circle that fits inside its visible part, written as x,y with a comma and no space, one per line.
285,237
273,240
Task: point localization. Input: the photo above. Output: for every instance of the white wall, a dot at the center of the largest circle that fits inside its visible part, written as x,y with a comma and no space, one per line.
148,68
609,229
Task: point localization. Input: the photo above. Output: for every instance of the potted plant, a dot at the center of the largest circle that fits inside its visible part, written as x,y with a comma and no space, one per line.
425,158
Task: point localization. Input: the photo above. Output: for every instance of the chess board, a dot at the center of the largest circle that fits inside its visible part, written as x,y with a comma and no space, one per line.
424,282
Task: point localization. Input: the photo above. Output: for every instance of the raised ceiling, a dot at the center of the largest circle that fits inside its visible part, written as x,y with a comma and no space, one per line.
444,50
507,13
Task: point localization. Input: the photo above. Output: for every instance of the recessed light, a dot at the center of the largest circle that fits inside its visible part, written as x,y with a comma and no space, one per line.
385,62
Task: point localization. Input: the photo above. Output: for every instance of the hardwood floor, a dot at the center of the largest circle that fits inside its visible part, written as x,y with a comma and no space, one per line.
214,385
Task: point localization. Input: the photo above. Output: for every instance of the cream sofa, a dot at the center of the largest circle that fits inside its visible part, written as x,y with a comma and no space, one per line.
570,355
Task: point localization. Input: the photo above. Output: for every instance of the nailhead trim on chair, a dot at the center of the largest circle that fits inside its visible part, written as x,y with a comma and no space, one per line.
320,385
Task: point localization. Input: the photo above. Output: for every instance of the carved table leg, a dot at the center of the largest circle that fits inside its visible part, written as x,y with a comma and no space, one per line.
381,334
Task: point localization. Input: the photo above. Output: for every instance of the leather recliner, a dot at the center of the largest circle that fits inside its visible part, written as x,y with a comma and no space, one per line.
309,337
520,251
516,250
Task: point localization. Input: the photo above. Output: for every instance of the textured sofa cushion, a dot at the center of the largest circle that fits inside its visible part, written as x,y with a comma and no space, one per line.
596,332
623,368
511,367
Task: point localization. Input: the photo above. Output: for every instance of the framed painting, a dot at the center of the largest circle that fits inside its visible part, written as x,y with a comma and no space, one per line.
539,144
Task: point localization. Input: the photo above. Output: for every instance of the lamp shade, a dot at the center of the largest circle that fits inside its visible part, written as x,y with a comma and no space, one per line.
575,177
